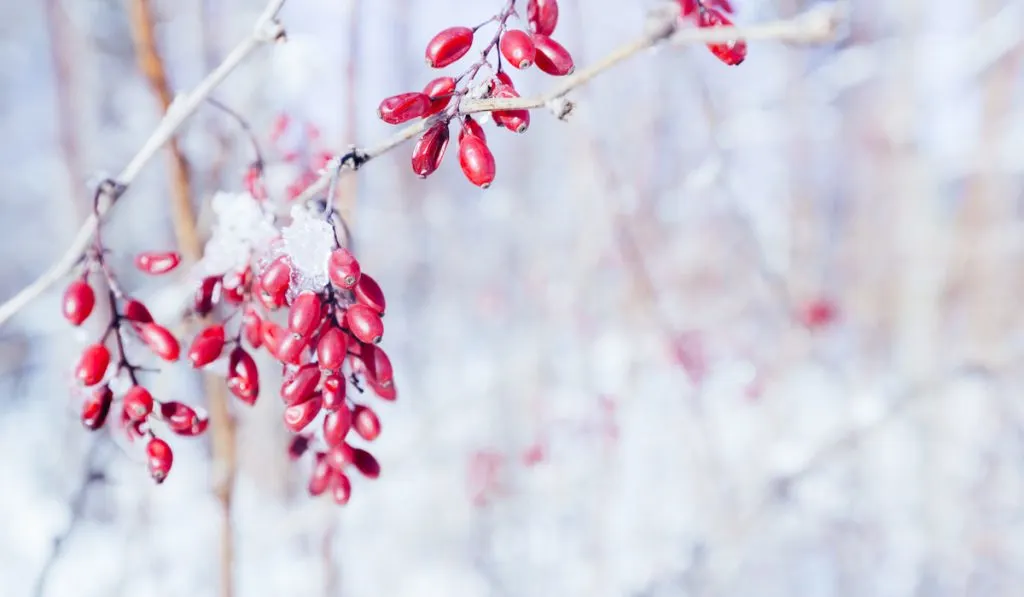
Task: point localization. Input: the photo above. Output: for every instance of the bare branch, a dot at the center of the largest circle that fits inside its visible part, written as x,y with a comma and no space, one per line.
266,30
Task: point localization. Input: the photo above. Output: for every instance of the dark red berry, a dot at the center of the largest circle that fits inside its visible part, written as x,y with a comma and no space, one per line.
332,348
517,47
369,293
154,262
343,269
160,340
365,463
92,365
364,323
542,15
138,403
298,416
403,107
207,295
78,303
377,365
160,459
365,422
298,446
440,92
183,419
476,161
448,46
336,426
429,150
552,58
96,408
301,385
733,52
136,312
304,315
243,376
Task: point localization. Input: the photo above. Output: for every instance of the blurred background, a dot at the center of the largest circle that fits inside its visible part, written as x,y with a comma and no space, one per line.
729,331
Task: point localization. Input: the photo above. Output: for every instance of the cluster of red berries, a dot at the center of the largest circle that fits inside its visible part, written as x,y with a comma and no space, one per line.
442,97
138,408
712,13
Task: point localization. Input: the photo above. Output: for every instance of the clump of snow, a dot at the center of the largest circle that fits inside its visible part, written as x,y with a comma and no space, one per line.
241,227
308,242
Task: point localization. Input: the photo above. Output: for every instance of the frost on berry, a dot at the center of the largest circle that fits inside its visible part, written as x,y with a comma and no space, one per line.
308,241
240,226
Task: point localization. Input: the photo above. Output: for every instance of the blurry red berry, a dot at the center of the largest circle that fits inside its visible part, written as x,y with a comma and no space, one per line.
252,325
365,422
440,92
92,365
477,161
271,336
298,446
304,315
276,278
364,323
243,376
429,150
207,295
341,488
138,403
78,303
517,47
160,340
340,456
819,313
298,416
96,408
321,477
369,293
183,419
542,15
160,459
336,426
687,7
300,386
334,388
136,311
154,262
343,268
733,52
365,463
403,107
332,348
552,58
471,127
448,46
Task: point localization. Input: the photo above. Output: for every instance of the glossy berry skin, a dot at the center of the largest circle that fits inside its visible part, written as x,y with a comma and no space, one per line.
448,46
207,346
517,47
542,16
136,312
440,92
377,365
368,292
331,349
552,58
334,389
364,323
297,417
206,295
78,303
183,419
341,489
276,278
472,127
366,423
160,459
96,408
92,365
301,385
343,269
365,463
156,263
336,426
243,376
430,149
403,107
516,121
138,403
160,340
476,161
304,315
292,349
733,52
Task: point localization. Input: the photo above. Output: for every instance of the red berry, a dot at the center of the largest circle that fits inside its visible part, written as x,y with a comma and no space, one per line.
343,268
340,456
517,48
365,323
298,416
365,422
448,46
516,121
153,262
292,349
365,463
183,419
477,161
207,346
160,459
332,348
733,52
301,385
138,403
542,15
136,312
388,392
429,150
334,392
819,313
277,277
92,366
304,316
471,127
97,407
207,295
79,300
321,477
440,92
298,446
341,489
368,292
160,340
243,376
336,426
552,57
377,365
252,325
403,107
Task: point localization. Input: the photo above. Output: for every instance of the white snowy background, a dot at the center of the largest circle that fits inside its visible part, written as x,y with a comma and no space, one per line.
603,389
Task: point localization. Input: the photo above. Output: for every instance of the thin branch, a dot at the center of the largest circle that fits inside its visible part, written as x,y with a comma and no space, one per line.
267,29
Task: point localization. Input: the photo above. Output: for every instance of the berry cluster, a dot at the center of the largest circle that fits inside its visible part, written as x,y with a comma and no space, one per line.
442,97
712,13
